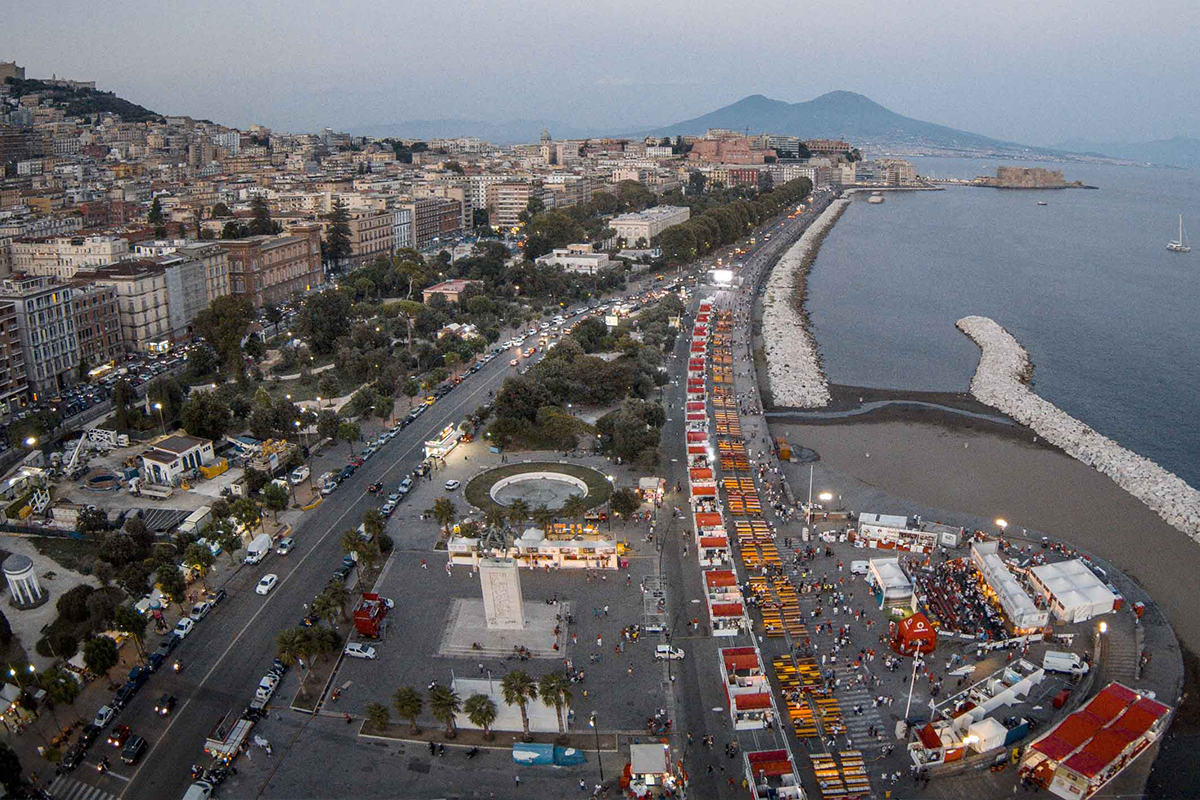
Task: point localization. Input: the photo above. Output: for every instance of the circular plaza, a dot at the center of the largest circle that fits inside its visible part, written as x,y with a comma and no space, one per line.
536,484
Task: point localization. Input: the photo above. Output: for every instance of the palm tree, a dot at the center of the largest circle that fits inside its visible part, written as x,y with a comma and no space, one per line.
481,710
574,507
351,542
323,641
518,512
291,645
555,690
495,517
326,608
373,522
378,716
518,690
340,595
444,705
543,516
409,705
444,512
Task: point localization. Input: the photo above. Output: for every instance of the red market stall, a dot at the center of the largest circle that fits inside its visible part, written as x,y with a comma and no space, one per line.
914,634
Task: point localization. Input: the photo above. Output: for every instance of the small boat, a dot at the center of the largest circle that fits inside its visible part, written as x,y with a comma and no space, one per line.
1042,203
1180,245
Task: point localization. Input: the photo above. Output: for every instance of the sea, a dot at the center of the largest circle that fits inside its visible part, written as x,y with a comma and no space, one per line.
1110,318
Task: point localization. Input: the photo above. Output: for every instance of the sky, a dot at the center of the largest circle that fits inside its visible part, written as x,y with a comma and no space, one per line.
1036,72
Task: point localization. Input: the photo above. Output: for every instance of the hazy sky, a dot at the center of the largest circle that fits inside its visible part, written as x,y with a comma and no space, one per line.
1029,71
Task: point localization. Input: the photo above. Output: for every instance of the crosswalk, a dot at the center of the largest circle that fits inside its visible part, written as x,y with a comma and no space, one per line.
66,788
850,694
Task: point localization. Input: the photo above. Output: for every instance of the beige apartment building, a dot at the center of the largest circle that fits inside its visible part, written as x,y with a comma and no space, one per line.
62,256
452,191
506,201
648,224
142,304
46,324
370,235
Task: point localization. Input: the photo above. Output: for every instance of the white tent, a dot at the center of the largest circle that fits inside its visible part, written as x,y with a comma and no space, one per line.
1072,591
989,734
893,584
1019,609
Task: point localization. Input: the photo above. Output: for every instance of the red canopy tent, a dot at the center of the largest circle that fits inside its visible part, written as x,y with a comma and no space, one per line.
915,634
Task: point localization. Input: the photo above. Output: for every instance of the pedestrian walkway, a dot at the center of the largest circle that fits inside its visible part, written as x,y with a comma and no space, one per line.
65,788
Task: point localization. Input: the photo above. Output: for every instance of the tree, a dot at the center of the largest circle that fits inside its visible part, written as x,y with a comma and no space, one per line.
72,606
409,705
555,691
494,517
155,216
518,512
543,516
123,398
247,512
222,532
260,223
100,654
224,324
481,710
60,685
444,511
412,388
444,705
291,646
518,689
128,620
275,497
323,641
351,542
373,522
326,608
91,520
6,633
11,774
349,432
104,571
170,580
378,716
340,594
133,578
220,210
696,182
624,502
337,237
574,507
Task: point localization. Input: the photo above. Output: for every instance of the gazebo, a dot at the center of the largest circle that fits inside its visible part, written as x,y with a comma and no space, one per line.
23,584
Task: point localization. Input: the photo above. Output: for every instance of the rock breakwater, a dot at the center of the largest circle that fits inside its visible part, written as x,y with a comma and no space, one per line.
1000,381
794,372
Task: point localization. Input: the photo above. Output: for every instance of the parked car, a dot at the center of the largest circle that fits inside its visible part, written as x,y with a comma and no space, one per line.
405,486
266,584
666,651
168,644
451,485
88,734
184,627
103,717
155,661
133,750
200,611
138,676
266,687
359,650
123,695
285,546
216,597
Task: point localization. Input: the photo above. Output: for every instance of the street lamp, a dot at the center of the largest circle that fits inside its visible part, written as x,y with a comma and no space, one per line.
31,441
1001,523
1103,628
161,421
596,729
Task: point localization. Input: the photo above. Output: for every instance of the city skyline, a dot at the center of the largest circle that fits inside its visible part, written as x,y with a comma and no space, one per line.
630,69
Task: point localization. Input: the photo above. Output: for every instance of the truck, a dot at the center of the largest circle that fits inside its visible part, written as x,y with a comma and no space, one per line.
226,737
140,489
196,520
1070,663
369,614
258,549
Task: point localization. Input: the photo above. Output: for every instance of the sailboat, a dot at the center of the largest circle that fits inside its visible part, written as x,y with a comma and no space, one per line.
1180,245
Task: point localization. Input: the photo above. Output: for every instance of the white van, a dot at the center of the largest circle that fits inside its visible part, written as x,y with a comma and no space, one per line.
200,790
258,549
1055,661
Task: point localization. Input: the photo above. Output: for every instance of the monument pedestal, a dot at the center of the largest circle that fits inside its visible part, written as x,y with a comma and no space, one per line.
503,604
467,625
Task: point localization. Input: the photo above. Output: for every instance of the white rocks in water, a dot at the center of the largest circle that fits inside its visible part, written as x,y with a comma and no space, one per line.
793,365
999,382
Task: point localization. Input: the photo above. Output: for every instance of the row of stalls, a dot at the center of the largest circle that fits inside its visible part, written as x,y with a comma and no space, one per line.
589,549
715,448
1079,755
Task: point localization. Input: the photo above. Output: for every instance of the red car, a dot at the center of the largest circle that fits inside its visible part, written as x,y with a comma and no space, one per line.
375,487
356,461
119,735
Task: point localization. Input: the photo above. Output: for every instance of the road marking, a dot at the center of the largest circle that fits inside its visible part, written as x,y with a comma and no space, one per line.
233,643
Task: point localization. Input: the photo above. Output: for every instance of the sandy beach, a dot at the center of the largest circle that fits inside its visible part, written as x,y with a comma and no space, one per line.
978,475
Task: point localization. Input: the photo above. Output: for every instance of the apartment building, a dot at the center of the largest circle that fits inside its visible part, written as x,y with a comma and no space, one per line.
268,269
97,323
432,218
46,321
648,224
62,256
142,304
13,385
216,267
402,227
370,235
506,201
187,292
452,191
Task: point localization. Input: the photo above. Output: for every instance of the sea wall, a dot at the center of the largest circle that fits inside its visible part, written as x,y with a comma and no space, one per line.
1000,381
794,372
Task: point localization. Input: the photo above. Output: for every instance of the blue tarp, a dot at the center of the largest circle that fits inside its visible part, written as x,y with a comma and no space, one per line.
568,756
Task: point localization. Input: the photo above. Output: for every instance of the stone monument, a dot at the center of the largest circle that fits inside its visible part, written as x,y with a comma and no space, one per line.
503,604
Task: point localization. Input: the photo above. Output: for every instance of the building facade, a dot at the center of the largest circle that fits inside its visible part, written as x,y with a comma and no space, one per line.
62,256
506,201
46,321
268,269
187,293
216,267
14,388
142,303
97,323
648,224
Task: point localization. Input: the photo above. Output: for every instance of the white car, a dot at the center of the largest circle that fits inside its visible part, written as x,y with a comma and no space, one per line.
200,611
266,584
360,650
451,485
104,716
266,687
285,546
299,475
860,567
184,627
666,651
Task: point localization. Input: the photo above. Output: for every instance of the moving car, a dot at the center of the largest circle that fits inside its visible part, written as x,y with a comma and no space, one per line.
184,627
266,584
119,736
360,650
133,750
285,546
375,487
451,485
165,704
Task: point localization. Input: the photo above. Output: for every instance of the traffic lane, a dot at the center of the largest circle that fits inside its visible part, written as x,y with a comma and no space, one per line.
207,700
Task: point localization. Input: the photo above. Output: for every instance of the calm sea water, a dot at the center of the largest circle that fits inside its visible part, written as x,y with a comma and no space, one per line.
1110,318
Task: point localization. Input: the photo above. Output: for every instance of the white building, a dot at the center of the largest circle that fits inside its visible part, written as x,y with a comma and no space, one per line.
62,256
647,225
577,258
166,461
402,228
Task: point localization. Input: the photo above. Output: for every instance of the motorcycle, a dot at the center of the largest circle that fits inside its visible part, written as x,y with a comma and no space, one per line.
177,667
474,751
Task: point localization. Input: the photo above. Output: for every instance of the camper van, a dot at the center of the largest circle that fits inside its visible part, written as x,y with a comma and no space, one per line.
1055,661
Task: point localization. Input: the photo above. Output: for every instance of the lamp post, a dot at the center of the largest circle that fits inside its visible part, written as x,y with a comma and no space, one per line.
596,729
1001,523
161,421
